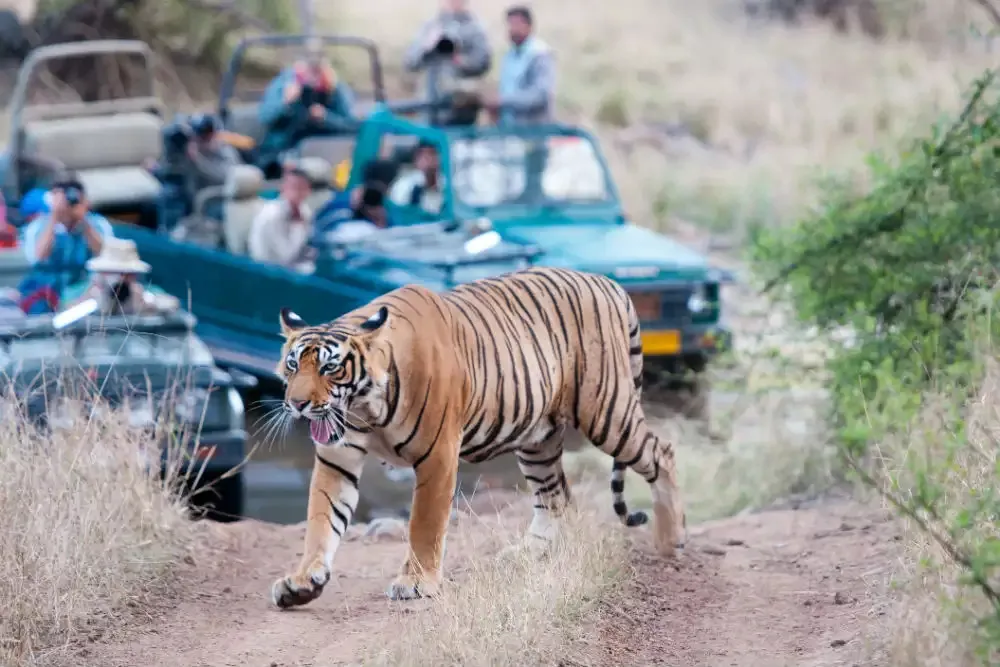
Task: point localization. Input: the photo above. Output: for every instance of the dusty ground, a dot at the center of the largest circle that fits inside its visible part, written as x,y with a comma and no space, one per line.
781,587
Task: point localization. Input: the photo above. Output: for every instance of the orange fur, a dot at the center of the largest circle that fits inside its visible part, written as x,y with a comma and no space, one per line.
506,364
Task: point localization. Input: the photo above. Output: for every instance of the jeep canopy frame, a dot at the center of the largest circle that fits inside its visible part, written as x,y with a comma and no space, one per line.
228,86
147,99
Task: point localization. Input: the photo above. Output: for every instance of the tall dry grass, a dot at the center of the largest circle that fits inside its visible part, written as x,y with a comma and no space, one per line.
87,528
935,622
515,608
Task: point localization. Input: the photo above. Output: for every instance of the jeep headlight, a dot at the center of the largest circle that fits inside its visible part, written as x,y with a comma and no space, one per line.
237,412
192,405
699,301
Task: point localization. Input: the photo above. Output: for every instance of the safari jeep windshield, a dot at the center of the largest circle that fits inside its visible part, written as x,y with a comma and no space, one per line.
540,170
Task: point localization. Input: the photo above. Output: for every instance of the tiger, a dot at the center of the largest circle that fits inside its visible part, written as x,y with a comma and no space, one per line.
422,379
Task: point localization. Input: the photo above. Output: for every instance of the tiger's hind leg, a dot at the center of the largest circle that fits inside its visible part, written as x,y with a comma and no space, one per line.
542,468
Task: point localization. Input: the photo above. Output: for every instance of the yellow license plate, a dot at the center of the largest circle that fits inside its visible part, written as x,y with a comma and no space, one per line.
661,342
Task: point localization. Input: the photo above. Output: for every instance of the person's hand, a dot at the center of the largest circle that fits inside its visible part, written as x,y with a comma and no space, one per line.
149,164
317,112
192,150
432,38
292,92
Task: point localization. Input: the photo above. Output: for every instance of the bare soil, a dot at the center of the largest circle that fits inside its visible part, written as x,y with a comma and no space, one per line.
781,587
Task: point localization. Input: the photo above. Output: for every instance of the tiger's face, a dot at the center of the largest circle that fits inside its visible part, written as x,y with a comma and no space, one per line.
325,370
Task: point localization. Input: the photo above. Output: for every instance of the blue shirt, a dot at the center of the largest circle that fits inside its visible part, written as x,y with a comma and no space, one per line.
69,249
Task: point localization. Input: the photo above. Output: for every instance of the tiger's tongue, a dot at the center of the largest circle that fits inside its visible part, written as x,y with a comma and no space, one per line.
319,430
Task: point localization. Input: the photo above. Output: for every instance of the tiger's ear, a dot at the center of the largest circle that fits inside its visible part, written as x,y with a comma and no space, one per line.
375,322
290,322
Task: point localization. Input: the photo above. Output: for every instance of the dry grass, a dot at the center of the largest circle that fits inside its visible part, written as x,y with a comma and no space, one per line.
709,117
514,609
934,623
86,530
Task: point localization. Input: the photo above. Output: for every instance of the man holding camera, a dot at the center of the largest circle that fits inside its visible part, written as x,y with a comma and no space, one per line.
354,213
454,51
209,159
305,100
59,243
114,283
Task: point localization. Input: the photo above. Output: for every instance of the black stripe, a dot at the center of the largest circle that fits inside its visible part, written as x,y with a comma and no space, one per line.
346,474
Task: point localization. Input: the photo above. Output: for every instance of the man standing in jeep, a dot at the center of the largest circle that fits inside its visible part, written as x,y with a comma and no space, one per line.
453,50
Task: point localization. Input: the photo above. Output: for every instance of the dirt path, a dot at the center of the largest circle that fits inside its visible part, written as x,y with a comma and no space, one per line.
783,587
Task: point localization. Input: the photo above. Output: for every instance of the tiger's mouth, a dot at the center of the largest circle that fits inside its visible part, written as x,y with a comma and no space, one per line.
327,428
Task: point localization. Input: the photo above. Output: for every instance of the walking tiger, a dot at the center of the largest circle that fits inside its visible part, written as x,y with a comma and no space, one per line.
503,364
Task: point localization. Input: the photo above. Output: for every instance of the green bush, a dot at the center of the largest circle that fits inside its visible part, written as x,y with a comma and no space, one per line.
902,281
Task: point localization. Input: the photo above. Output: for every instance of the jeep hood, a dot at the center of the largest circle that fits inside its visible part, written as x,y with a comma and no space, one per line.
605,248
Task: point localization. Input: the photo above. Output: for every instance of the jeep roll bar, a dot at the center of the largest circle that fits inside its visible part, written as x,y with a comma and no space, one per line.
66,51
228,84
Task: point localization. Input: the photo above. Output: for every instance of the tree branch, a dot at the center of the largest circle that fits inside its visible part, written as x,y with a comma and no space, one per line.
894,220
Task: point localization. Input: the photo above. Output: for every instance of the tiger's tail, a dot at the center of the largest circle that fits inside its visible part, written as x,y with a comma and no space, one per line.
618,469
630,519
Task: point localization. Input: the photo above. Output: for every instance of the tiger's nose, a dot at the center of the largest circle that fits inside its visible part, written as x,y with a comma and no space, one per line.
300,405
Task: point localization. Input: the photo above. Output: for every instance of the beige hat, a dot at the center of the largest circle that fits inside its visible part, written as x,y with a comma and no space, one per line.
118,256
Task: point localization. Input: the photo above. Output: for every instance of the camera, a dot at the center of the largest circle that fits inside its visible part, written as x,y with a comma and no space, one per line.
448,43
73,195
178,134
373,195
310,96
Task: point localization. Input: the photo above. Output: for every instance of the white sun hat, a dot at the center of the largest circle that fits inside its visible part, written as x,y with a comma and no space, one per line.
118,256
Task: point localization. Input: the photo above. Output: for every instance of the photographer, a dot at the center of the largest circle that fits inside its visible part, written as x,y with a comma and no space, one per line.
305,100
193,158
114,283
453,49
209,158
60,242
362,208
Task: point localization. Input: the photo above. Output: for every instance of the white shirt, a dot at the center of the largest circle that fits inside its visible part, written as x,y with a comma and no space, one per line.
275,239
401,192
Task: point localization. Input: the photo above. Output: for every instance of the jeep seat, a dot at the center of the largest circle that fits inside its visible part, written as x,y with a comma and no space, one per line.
320,174
243,202
106,151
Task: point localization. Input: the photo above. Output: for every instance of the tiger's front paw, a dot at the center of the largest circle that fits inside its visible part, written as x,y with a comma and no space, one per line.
302,588
410,587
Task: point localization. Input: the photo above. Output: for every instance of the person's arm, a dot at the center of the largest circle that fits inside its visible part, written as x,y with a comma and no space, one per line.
260,232
339,117
212,169
272,105
39,239
95,229
536,96
476,57
401,191
415,57
288,249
